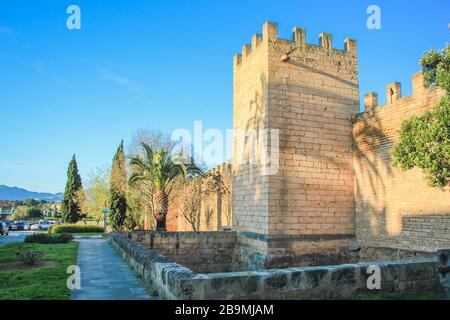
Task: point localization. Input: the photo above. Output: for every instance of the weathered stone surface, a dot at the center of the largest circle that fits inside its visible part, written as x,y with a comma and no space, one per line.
395,208
203,252
276,280
313,277
173,281
345,275
297,276
443,269
237,285
309,95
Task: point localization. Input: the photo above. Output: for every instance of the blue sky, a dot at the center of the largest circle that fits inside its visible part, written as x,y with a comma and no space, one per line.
163,65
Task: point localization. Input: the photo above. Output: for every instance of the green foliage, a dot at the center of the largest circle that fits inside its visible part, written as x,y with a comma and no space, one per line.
29,203
154,175
25,212
118,190
436,68
425,140
47,283
29,256
72,228
45,238
425,143
135,208
96,193
34,213
70,207
159,168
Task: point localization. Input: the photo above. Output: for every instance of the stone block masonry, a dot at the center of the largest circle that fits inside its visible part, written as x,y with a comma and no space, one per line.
215,208
394,208
309,93
203,252
336,182
335,197
174,281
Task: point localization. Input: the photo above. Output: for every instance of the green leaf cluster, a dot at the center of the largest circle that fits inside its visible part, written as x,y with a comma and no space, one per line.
70,206
425,140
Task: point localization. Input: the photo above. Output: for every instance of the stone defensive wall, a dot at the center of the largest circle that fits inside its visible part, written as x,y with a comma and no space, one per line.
333,206
175,281
395,208
215,209
309,93
203,252
335,186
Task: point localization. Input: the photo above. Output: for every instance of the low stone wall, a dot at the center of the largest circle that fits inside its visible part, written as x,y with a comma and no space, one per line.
174,281
203,252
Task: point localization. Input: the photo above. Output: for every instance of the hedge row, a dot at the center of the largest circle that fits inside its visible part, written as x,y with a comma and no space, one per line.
71,228
49,238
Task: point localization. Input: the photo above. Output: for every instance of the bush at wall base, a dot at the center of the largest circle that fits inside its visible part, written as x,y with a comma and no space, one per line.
71,228
44,238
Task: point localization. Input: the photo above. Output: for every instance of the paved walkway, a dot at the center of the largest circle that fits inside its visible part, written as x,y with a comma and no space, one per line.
105,275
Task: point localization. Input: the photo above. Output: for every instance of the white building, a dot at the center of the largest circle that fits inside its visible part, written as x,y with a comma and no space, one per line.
6,211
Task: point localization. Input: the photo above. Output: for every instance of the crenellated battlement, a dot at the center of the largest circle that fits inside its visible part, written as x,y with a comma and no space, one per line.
307,94
333,176
297,42
394,94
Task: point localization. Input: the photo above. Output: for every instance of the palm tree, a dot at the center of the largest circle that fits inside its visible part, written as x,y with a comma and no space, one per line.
157,172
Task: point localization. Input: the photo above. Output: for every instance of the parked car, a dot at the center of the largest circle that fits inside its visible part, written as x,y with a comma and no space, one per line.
17,226
27,226
4,230
44,225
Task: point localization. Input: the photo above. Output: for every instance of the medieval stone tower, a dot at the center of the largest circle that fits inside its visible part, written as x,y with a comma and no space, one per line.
308,94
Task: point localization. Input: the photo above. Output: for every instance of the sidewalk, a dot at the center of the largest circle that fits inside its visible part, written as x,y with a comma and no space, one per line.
105,275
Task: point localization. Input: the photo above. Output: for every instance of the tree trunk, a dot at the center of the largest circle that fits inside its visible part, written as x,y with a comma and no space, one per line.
161,206
147,222
161,223
219,210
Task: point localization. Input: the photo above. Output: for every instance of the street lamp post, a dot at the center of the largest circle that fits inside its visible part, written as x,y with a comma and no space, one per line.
105,211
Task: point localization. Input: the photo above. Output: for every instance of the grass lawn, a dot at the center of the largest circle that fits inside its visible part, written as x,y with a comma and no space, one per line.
45,283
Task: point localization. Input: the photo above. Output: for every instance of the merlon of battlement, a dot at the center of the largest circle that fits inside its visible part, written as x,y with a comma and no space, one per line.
256,40
326,40
270,31
393,92
418,83
370,101
246,50
237,59
350,46
299,37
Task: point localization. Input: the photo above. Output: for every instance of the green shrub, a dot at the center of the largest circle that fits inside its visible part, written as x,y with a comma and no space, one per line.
25,212
425,140
72,228
49,238
425,143
29,256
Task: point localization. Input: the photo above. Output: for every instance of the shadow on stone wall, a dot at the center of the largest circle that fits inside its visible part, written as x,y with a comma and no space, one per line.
246,155
368,167
388,211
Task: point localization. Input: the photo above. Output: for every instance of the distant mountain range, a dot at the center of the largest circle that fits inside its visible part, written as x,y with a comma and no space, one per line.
14,193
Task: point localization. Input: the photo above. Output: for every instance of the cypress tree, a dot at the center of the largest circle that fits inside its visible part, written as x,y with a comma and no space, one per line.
70,208
118,190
